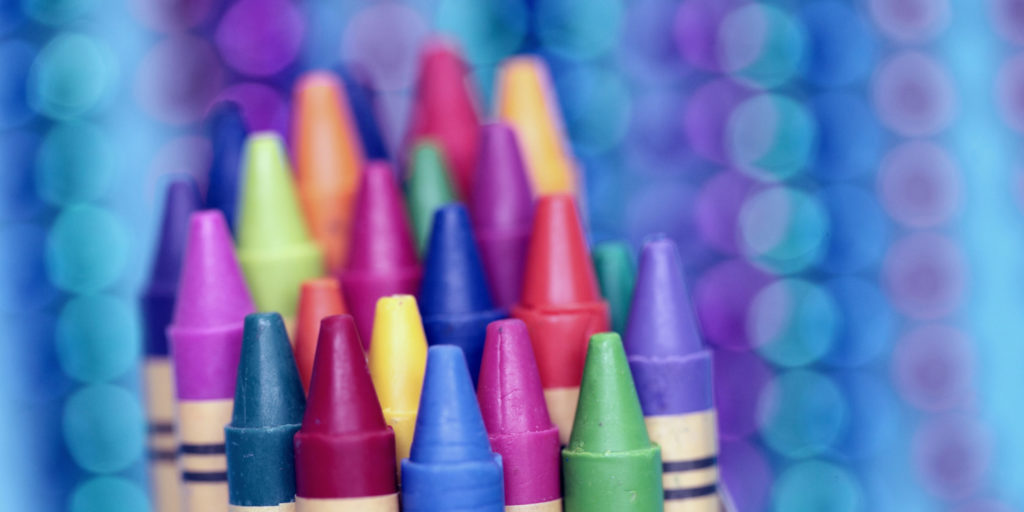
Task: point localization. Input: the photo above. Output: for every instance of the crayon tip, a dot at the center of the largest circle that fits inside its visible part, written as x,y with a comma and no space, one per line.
449,427
526,100
212,293
328,160
501,191
319,298
616,276
381,236
608,417
427,188
398,353
268,392
558,266
270,217
226,130
453,276
661,321
509,391
181,200
341,393
444,109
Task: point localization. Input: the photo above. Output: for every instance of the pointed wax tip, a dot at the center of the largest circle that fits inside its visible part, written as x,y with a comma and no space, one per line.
268,392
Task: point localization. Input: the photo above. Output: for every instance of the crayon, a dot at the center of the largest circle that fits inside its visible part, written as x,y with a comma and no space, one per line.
451,466
383,259
526,101
517,421
560,304
206,340
427,188
672,368
454,298
274,246
226,130
328,162
610,464
269,403
444,109
616,276
319,298
182,199
398,357
362,100
345,451
501,206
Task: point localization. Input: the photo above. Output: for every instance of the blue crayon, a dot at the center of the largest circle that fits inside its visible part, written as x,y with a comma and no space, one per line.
454,299
672,370
451,465
226,130
361,100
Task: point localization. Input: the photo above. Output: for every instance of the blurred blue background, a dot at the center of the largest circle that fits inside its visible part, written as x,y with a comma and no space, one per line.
844,178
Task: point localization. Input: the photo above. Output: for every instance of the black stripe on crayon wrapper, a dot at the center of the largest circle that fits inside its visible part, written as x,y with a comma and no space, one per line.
163,455
161,428
693,492
203,449
190,476
687,465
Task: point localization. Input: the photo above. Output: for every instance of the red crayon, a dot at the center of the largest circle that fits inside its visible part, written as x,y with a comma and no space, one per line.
345,451
518,425
319,298
560,304
444,110
382,259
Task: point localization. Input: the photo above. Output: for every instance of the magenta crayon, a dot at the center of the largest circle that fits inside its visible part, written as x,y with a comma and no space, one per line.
382,259
182,199
516,416
206,340
501,207
672,370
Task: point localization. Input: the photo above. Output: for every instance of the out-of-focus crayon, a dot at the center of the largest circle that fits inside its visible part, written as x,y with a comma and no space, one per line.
362,100
502,208
383,259
672,368
318,299
182,199
513,408
560,304
226,130
526,100
427,188
274,246
444,109
206,340
398,356
610,464
454,298
345,451
616,276
451,466
268,410
328,162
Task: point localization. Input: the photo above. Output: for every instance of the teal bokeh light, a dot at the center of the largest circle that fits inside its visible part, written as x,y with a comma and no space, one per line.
109,494
793,322
817,486
802,414
97,338
56,12
104,428
761,45
73,74
487,31
596,106
87,249
771,136
75,164
784,229
579,30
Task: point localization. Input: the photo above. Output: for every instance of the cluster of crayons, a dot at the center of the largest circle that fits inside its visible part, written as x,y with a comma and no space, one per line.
331,400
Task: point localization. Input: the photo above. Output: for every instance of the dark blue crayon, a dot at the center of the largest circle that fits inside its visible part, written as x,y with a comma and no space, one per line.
361,98
454,299
226,129
451,465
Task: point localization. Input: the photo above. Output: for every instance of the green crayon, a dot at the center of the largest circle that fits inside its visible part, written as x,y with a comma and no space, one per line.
610,464
427,188
616,276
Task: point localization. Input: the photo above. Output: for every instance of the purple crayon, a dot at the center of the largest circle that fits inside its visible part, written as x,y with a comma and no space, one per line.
672,370
206,340
501,207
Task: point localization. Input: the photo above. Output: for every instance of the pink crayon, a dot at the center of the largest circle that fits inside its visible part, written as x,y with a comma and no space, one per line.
206,340
516,416
382,259
501,207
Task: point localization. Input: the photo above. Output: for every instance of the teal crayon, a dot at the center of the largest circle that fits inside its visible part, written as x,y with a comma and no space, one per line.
616,276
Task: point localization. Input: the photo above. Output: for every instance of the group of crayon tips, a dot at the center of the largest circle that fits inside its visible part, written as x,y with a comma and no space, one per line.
323,340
